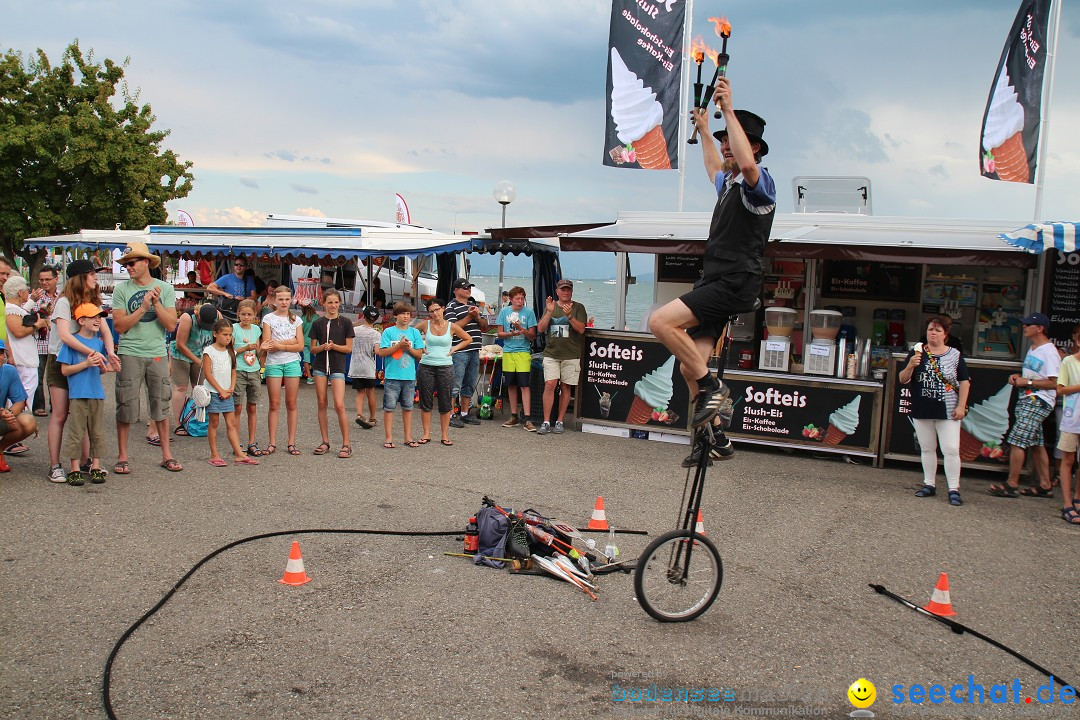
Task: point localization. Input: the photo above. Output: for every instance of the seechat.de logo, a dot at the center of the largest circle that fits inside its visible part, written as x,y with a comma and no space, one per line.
862,695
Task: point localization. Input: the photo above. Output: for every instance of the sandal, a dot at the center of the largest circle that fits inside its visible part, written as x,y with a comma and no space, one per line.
448,443
122,467
389,445
1037,491
323,448
270,449
40,412
171,465
181,431
345,452
363,423
926,491
75,477
424,441
293,451
97,476
1004,490
254,451
954,498
413,444
1071,516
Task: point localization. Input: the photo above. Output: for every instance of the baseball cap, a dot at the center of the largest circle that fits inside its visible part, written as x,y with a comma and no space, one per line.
1036,319
564,283
207,316
80,267
462,283
88,310
371,313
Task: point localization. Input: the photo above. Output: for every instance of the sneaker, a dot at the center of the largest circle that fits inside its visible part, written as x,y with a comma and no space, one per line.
311,381
455,421
512,422
57,474
472,420
558,427
722,449
711,393
691,460
545,428
97,476
75,477
529,426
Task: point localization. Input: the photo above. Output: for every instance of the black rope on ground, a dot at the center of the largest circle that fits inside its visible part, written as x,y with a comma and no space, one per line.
960,629
107,677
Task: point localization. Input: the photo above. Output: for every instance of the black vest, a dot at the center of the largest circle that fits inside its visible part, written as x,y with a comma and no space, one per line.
737,236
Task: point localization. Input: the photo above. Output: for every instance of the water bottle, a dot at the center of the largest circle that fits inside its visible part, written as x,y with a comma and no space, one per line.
611,550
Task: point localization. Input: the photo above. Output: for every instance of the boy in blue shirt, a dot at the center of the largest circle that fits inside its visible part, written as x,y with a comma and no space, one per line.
402,346
86,395
517,329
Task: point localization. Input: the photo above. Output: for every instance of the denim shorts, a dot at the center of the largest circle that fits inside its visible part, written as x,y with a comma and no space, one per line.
217,405
466,372
333,375
398,391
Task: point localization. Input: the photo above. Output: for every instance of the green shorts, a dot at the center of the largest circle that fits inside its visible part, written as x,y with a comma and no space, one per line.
286,370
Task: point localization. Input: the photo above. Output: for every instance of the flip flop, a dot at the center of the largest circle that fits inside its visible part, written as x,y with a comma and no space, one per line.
413,444
216,462
424,441
448,443
246,461
181,431
389,445
40,412
154,440
171,465
122,467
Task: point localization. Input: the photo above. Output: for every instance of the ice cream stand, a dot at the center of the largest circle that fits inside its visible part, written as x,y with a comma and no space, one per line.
912,268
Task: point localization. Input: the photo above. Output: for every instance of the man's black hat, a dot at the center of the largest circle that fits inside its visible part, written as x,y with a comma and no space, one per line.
753,125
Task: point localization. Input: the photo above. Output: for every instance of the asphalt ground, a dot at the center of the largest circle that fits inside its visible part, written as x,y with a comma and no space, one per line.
389,627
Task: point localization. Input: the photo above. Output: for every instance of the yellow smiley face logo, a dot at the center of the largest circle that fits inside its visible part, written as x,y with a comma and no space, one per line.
862,693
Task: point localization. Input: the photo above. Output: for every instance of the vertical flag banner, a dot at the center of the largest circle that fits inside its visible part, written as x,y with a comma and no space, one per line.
1010,128
644,76
401,210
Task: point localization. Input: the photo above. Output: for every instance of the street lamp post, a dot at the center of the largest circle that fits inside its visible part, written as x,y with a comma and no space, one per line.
504,195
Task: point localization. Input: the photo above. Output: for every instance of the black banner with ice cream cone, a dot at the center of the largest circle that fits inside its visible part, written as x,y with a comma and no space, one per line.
1010,127
643,80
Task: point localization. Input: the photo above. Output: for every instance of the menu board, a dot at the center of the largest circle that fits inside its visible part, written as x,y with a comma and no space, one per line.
871,280
786,410
1063,297
631,380
679,268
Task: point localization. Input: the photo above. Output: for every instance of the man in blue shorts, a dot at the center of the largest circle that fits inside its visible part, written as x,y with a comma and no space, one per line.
731,277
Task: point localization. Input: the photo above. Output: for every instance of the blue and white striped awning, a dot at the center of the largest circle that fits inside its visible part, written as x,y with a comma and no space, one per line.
1040,237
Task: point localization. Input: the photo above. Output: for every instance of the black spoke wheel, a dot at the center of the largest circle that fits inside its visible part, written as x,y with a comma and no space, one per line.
677,578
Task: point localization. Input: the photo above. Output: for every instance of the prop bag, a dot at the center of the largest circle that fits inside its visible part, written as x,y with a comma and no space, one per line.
492,526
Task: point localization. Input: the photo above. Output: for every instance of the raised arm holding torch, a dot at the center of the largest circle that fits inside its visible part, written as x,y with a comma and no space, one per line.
723,29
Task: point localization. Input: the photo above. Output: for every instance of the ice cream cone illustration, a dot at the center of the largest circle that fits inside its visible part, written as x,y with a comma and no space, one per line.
985,424
1003,141
652,392
843,422
638,117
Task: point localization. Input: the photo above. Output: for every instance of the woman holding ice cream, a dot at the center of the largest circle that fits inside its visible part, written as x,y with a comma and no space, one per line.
938,403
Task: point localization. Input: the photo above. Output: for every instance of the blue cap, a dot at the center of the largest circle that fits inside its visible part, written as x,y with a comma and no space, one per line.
1036,319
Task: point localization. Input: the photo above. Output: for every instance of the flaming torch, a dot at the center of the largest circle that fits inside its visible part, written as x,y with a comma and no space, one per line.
723,29
697,50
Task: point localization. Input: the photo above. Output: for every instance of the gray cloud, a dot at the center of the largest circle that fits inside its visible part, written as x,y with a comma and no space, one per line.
249,182
285,155
850,135
939,170
308,189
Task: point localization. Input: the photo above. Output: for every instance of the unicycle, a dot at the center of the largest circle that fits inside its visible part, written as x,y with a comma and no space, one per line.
679,575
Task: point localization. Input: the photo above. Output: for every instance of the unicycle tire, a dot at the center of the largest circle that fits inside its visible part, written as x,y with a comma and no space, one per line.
666,588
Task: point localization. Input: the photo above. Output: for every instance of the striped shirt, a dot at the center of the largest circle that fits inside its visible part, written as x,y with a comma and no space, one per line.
453,312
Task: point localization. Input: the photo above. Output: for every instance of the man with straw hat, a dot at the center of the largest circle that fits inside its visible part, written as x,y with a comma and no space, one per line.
144,309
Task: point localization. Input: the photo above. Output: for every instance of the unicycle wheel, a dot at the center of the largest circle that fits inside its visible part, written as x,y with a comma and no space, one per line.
677,578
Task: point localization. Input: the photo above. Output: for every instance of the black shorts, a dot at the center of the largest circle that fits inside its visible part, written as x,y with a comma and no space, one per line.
364,383
713,303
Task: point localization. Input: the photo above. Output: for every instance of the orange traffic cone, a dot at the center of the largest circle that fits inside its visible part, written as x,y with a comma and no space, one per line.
699,527
294,569
598,521
939,601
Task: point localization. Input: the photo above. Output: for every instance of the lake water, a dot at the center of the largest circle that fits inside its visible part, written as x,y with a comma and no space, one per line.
597,297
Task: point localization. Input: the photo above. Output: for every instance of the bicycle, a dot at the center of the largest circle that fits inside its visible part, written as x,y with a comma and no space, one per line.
666,586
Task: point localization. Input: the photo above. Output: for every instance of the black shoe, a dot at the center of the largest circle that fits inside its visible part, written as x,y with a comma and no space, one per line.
691,460
455,421
470,419
711,392
926,491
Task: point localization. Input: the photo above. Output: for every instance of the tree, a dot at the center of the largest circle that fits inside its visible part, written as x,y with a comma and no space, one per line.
73,155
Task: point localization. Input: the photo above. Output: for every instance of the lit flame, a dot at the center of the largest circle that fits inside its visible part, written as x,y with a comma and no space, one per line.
723,27
714,55
698,49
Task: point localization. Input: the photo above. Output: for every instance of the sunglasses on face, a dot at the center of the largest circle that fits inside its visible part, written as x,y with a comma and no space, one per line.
131,263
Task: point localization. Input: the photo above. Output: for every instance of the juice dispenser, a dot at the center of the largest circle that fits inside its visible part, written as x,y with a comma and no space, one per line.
776,348
820,355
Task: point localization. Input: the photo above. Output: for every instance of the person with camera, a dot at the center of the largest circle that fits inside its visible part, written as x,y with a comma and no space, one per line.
464,313
22,329
233,287
44,298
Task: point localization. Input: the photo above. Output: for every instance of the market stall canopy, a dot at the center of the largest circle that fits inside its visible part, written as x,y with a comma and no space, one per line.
823,236
291,244
526,240
1040,237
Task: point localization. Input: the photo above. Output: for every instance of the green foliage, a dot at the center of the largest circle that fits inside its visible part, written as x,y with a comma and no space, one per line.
73,155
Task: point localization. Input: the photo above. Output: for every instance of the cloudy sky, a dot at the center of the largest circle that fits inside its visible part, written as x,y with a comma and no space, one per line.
332,106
